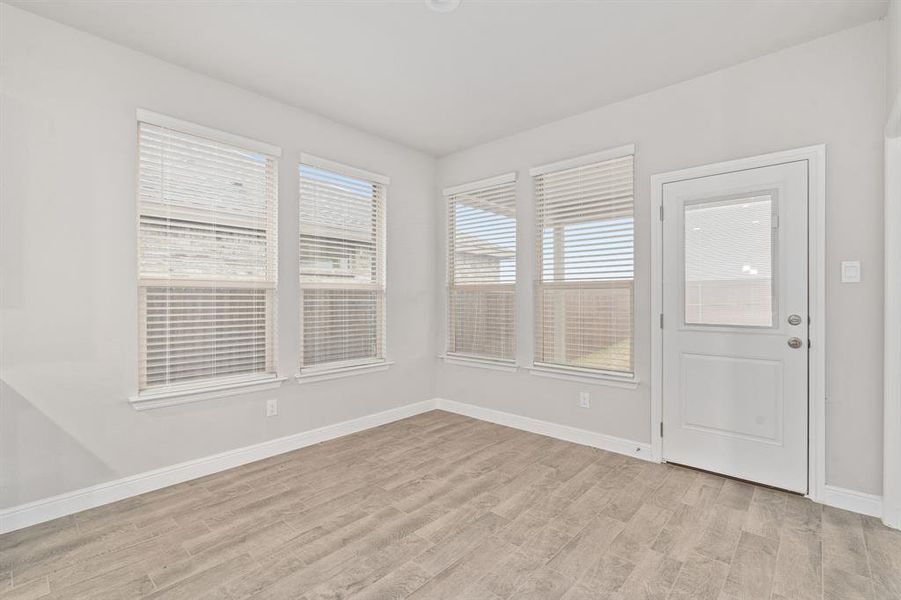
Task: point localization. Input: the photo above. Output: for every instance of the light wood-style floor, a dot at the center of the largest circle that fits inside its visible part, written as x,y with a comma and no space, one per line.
441,506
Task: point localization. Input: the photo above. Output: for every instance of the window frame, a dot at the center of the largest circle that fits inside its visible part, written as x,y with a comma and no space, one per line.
337,369
476,360
627,380
225,385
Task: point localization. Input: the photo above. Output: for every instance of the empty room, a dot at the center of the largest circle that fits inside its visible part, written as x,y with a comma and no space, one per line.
450,299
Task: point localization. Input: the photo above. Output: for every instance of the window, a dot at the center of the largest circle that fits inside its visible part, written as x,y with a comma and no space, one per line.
342,266
208,258
482,269
729,255
585,240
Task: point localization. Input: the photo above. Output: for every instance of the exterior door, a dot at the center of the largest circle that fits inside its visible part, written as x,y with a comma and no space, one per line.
735,324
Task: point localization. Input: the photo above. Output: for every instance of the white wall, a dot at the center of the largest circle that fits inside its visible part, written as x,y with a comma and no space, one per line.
828,91
69,291
893,43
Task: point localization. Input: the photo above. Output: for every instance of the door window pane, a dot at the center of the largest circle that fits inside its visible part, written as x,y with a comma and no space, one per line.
729,248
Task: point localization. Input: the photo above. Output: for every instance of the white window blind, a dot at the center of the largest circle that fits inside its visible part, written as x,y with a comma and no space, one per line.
207,250
481,254
342,266
585,251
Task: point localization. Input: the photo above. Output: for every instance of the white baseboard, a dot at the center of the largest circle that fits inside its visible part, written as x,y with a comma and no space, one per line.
69,503
54,507
561,432
859,502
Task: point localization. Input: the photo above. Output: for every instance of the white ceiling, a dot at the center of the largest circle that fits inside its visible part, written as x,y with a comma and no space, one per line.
444,82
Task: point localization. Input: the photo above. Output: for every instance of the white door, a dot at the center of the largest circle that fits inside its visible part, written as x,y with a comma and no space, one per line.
735,324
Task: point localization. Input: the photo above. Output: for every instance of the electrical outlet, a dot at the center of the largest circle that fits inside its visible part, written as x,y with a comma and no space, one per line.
584,399
271,407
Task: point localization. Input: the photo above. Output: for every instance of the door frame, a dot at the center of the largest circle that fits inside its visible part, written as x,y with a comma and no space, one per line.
816,235
891,479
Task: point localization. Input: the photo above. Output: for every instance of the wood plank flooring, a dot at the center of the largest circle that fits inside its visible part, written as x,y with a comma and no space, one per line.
441,506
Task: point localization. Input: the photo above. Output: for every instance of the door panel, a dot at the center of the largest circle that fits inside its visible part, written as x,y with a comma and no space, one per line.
735,270
732,396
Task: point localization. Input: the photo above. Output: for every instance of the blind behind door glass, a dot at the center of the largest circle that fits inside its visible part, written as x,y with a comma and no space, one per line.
729,252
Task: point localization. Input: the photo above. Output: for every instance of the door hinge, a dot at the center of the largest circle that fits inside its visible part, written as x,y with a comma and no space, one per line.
661,212
661,320
661,428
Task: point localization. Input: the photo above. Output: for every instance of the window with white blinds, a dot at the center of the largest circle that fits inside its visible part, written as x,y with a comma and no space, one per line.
207,252
585,258
481,269
342,266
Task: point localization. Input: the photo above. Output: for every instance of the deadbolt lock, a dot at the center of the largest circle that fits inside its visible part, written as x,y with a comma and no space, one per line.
794,319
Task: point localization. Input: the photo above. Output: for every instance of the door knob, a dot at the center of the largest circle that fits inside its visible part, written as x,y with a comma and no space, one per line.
794,343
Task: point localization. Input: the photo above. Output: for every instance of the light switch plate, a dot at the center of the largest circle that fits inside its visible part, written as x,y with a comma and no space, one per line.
850,271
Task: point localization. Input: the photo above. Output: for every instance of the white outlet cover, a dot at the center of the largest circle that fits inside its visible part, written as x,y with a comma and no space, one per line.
850,271
271,407
584,399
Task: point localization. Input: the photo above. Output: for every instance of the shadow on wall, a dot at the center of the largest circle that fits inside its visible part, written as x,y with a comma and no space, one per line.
37,456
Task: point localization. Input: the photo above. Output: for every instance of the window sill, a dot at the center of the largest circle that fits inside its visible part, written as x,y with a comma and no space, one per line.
480,363
183,395
325,374
619,381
